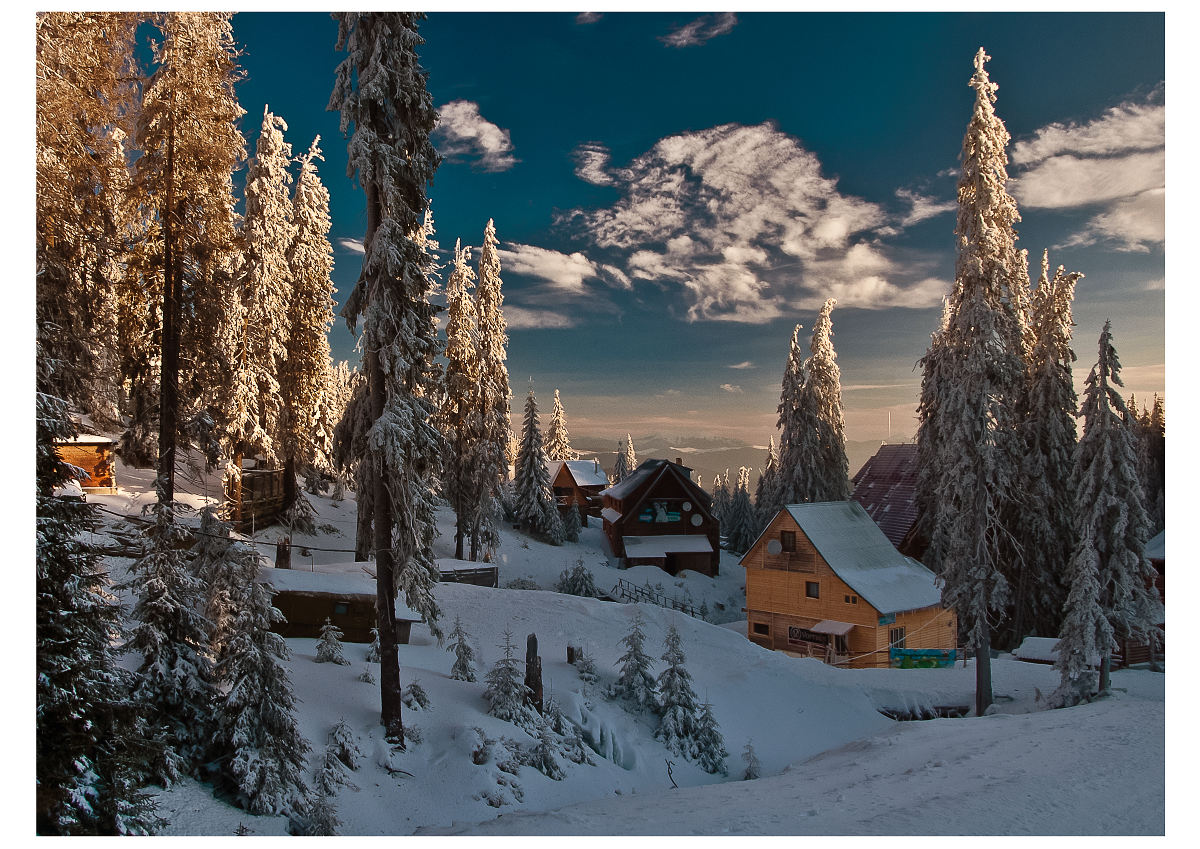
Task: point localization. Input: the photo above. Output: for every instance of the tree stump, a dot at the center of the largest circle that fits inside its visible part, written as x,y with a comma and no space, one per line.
533,673
283,553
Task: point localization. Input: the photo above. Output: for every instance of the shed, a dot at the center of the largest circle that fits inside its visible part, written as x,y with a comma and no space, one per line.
578,484
94,455
822,580
658,516
342,592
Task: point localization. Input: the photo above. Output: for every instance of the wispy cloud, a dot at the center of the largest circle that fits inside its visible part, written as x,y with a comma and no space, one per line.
742,220
352,245
746,364
563,271
732,388
922,206
462,134
1115,162
588,17
700,30
520,318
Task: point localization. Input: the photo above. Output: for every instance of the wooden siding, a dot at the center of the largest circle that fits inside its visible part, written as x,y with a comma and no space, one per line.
305,613
776,596
96,460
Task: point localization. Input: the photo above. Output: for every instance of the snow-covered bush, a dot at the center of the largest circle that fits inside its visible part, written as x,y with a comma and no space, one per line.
542,757
345,743
366,676
753,767
415,697
329,646
522,584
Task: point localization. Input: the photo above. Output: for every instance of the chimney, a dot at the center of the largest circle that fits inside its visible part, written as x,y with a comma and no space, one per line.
678,461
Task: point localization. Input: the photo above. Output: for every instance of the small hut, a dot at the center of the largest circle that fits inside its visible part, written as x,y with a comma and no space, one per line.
95,456
342,592
578,484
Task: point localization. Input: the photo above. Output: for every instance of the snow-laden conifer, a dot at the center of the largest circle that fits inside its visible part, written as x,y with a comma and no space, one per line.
577,580
635,681
739,524
710,745
506,693
558,441
464,654
572,527
979,389
1112,593
542,756
380,90
793,427
585,665
329,645
1046,532
825,463
535,505
766,491
753,767
722,497
460,417
626,460
88,730
677,703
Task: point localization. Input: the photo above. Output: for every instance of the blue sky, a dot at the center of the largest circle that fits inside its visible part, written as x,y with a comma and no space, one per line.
674,192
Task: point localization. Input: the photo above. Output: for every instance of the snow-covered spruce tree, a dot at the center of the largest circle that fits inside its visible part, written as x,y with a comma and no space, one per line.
535,506
677,704
223,567
459,418
558,441
635,681
1046,533
931,433
626,460
87,728
256,428
980,385
329,646
306,374
381,92
793,426
1112,593
1149,431
572,527
464,654
585,665
506,691
722,497
542,758
826,465
262,752
710,745
753,767
766,492
577,580
344,743
740,526
190,144
491,460
85,73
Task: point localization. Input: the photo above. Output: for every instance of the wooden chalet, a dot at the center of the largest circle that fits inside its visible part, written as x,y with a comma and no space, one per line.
886,487
96,456
261,496
578,484
658,516
342,592
823,581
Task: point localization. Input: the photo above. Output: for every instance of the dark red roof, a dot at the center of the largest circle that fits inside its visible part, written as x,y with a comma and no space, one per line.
886,487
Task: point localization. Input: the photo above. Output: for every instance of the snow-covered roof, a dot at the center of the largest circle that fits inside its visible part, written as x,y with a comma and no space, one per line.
587,473
86,439
633,480
664,544
858,552
1156,548
832,626
339,579
1041,649
610,515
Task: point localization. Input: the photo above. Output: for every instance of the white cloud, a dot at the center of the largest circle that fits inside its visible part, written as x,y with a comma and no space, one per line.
732,388
923,206
1116,162
462,133
700,30
746,364
588,17
352,245
563,271
729,213
519,318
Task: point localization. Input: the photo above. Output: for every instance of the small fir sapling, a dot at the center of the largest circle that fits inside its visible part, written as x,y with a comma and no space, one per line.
415,697
366,676
542,757
373,650
575,749
572,527
710,745
506,691
585,666
344,742
329,646
753,767
635,682
319,819
464,654
330,774
481,751
522,584
704,611
677,702
577,580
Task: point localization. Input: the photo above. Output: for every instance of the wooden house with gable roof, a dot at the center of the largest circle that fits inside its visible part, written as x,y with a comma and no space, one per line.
658,516
886,487
578,484
823,581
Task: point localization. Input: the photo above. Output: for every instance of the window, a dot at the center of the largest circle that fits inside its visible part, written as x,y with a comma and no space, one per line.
851,599
761,628
787,540
341,608
812,589
896,637
839,644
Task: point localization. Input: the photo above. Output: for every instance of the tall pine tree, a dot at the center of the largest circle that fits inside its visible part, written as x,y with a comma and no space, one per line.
535,506
793,433
381,92
558,441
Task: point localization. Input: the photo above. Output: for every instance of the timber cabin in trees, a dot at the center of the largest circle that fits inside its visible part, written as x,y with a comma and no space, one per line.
658,516
95,456
823,581
578,483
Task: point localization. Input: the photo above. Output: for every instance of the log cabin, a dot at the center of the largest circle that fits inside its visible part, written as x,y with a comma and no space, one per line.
658,516
95,456
823,581
342,592
578,484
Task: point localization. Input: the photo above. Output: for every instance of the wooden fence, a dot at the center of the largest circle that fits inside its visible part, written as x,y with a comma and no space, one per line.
629,592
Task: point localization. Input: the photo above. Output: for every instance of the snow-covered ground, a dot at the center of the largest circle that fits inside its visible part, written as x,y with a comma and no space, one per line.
831,762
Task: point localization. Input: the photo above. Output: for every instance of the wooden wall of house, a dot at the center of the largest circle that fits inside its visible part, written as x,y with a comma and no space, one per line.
354,616
776,597
96,460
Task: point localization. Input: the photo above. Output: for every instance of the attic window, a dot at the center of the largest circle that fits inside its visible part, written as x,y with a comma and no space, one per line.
851,599
812,589
787,539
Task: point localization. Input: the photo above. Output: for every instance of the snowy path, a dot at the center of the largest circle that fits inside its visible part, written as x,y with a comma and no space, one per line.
1053,772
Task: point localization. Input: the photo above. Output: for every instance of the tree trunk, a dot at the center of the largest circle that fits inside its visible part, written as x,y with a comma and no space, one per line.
459,535
237,489
168,393
983,671
290,489
1105,672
